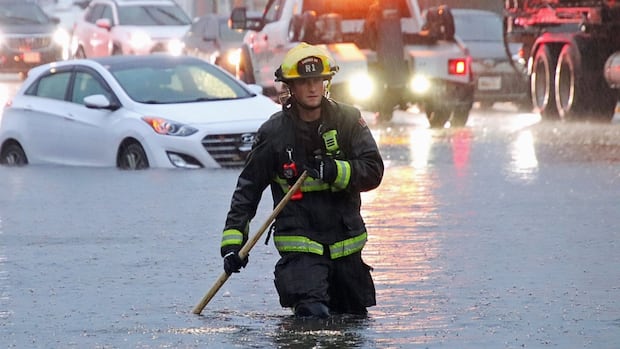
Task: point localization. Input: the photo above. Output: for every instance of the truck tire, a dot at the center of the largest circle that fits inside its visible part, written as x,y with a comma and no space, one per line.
579,92
437,118
543,81
385,113
460,115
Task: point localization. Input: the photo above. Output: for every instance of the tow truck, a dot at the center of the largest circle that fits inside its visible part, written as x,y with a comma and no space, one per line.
390,57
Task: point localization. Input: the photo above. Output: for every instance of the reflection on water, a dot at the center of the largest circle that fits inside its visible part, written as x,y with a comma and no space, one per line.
403,243
524,164
4,281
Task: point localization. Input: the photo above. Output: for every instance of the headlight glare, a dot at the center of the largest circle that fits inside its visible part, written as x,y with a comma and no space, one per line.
361,86
175,47
234,56
419,84
168,127
139,40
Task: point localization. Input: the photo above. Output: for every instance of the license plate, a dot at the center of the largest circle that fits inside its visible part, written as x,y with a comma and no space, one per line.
486,83
32,57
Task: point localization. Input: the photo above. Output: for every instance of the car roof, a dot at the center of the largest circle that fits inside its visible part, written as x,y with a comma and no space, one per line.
145,59
119,61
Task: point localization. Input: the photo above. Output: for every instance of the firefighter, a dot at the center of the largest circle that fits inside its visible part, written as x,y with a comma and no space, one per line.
320,232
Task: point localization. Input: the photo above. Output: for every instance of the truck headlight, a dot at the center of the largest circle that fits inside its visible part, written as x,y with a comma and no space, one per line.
419,84
361,86
234,57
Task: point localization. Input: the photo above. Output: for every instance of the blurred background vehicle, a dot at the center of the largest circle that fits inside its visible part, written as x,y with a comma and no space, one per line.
211,39
112,27
498,73
29,37
132,112
67,11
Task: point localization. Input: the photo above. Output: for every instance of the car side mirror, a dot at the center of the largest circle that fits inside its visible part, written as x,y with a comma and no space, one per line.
239,20
238,17
104,23
99,101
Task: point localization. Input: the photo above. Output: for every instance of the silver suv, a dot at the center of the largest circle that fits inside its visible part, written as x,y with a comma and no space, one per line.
130,27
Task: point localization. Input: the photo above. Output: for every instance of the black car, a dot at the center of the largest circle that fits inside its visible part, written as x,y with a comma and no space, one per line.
499,73
211,39
29,37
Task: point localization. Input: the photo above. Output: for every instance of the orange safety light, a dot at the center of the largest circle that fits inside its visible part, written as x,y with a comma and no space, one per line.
457,66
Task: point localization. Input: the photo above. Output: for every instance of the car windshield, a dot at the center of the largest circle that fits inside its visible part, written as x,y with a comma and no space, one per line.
171,82
22,13
478,28
152,15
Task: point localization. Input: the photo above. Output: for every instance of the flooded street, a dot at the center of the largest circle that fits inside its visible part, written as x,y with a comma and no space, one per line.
503,234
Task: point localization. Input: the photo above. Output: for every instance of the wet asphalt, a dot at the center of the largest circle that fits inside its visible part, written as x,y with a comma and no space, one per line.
503,234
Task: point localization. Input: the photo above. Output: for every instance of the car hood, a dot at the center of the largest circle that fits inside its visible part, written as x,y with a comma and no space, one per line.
487,49
25,29
159,31
258,108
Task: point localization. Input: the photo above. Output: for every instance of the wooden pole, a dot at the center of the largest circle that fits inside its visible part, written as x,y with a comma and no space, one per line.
245,250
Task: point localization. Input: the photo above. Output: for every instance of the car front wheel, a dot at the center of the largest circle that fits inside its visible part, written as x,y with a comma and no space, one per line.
131,156
13,155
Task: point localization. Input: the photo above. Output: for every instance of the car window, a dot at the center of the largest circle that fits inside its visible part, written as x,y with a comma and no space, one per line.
478,27
107,13
177,83
85,84
274,12
51,86
94,13
152,15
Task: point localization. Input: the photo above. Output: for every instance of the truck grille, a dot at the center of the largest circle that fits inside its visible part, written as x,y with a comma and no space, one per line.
229,150
28,43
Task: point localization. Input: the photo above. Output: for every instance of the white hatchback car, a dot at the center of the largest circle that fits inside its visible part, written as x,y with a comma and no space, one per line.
114,27
132,112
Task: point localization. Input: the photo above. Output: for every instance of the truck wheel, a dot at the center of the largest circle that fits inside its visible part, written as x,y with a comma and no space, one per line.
385,114
459,117
542,83
578,94
437,118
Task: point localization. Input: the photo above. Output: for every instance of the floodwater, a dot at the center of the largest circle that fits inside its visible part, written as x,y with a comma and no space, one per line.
503,234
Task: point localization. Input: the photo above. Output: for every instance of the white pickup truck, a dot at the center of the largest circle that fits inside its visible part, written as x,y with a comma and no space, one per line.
390,57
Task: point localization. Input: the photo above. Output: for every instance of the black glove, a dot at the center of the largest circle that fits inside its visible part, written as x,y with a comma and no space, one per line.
323,168
233,263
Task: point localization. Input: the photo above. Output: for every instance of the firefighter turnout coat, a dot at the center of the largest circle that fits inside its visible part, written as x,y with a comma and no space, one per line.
323,219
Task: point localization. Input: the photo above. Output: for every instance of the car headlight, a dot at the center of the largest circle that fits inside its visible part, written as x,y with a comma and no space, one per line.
175,47
419,84
168,127
361,86
139,40
234,57
62,37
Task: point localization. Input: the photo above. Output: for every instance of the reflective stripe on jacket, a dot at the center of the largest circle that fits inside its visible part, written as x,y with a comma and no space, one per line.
298,243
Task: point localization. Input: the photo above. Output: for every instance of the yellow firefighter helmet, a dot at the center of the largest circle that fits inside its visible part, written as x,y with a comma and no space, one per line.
306,61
